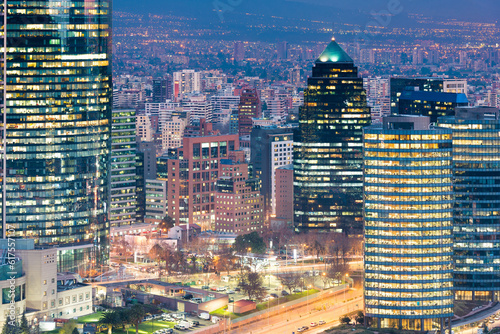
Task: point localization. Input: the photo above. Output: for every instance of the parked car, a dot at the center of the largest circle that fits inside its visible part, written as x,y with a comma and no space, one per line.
274,295
284,293
230,292
221,288
197,300
195,323
237,289
187,296
297,290
179,327
205,287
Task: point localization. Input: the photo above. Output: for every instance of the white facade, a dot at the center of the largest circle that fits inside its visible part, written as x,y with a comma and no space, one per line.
455,86
198,107
172,133
143,128
186,82
281,155
222,106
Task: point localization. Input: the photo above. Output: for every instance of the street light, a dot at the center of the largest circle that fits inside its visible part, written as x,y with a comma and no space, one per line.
308,297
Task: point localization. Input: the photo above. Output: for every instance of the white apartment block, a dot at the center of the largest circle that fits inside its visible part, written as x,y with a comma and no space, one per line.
186,82
143,128
172,133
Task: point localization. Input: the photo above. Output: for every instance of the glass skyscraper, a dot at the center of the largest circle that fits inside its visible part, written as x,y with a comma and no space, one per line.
56,126
328,148
123,210
408,196
476,158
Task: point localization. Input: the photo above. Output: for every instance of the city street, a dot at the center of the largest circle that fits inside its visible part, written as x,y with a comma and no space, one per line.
287,323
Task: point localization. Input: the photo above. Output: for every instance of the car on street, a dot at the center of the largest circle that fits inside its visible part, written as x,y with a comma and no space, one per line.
230,292
321,322
314,324
302,329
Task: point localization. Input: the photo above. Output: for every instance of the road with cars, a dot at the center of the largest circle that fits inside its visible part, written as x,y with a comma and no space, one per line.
329,309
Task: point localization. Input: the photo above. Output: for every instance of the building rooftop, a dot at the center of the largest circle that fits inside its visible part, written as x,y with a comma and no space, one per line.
334,54
288,167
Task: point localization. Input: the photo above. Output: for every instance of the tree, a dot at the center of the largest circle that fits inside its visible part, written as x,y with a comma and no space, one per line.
155,252
252,284
360,317
291,281
110,319
23,324
345,320
68,327
318,248
166,224
135,315
251,242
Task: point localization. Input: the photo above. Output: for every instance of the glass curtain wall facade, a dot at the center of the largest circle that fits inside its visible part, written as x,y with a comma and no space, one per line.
56,126
328,148
408,225
123,209
476,157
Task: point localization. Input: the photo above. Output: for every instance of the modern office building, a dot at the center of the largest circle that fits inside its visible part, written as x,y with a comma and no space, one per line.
249,107
328,147
270,148
408,205
123,208
161,90
432,104
57,127
238,202
476,157
191,173
437,85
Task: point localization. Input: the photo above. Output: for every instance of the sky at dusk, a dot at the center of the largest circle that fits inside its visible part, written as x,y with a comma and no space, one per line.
481,10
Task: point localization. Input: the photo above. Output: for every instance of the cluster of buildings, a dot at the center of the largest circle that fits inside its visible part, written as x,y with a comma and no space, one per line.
404,160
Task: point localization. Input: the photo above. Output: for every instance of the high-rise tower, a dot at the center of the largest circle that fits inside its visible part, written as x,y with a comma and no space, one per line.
328,148
56,126
476,233
408,205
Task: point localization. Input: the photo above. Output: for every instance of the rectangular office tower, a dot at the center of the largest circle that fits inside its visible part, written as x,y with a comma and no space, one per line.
476,157
408,196
124,176
328,148
56,110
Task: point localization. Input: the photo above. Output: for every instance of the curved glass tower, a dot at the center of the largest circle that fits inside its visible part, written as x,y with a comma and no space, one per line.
56,126
327,162
408,198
